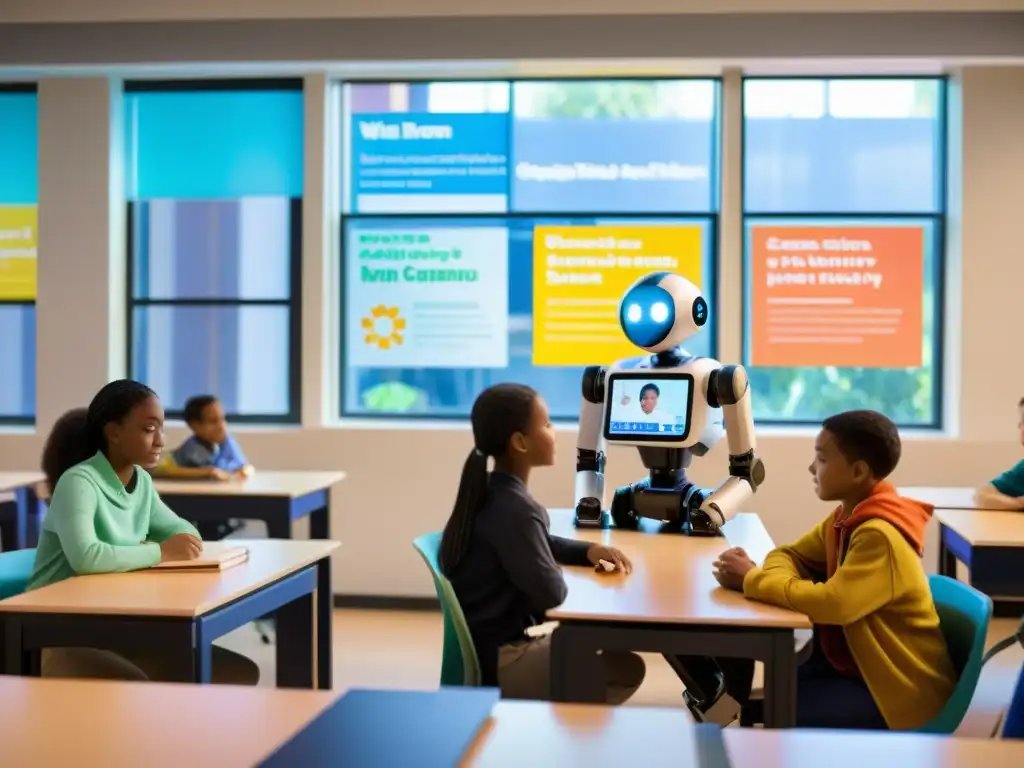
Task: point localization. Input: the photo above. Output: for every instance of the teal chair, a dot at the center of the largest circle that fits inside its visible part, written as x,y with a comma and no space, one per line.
459,662
15,570
964,615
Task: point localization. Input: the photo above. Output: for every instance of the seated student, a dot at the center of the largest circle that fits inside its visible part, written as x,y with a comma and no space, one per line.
500,558
879,659
105,517
1007,490
210,451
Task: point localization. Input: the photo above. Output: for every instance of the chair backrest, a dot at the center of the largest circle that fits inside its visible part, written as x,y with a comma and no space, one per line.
15,571
1013,725
459,662
964,615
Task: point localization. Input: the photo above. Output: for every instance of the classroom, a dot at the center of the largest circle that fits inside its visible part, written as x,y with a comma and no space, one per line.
345,223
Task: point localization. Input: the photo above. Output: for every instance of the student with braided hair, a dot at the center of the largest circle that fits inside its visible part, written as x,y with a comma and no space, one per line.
106,517
502,561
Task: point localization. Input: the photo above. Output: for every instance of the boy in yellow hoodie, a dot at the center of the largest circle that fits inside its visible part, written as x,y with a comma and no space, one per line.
879,659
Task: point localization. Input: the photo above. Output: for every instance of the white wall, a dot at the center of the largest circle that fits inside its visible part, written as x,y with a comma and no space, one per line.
402,478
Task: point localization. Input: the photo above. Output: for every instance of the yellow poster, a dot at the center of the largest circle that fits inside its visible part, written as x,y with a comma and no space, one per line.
19,238
579,277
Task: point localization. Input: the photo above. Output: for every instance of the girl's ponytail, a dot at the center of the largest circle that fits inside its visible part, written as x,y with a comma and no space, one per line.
471,496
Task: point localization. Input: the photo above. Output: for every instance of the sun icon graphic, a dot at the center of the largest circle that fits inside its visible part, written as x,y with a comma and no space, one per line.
384,327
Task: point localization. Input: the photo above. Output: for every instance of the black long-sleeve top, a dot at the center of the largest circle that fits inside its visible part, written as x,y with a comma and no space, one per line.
509,576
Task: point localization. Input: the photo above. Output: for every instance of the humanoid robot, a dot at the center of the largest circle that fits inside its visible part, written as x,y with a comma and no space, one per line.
671,406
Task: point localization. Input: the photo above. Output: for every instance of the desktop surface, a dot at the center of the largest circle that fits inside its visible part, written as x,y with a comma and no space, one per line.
985,528
942,498
262,483
124,724
10,481
179,593
671,582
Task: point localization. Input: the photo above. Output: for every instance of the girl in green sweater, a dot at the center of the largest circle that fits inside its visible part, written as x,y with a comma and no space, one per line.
106,517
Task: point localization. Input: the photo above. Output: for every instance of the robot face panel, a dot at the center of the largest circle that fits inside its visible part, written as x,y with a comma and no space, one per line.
647,314
662,310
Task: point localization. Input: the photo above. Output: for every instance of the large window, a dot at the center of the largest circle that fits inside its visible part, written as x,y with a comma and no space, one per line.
844,198
215,193
19,185
490,228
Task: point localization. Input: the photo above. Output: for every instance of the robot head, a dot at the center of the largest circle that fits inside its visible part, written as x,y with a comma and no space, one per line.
662,310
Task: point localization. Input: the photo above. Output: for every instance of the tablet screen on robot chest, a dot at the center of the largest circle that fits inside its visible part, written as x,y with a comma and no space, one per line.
648,406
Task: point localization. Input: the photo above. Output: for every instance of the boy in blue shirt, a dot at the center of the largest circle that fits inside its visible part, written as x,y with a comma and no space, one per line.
210,452
1007,490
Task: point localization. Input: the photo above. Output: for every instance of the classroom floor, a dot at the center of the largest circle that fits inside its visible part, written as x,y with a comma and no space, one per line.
400,649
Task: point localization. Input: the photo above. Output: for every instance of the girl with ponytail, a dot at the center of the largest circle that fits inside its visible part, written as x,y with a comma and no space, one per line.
502,561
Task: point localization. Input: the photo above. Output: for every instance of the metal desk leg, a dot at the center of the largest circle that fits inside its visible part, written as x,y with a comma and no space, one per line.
780,681
947,560
202,655
324,626
320,520
295,649
577,672
280,525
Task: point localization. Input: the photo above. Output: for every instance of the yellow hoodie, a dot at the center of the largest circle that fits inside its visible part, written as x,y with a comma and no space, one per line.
863,574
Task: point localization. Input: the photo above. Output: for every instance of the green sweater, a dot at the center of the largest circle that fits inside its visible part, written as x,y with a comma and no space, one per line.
94,525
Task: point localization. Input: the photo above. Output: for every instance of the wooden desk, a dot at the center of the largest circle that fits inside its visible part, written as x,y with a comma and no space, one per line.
180,614
989,542
850,749
525,732
15,518
276,498
89,723
579,735
670,604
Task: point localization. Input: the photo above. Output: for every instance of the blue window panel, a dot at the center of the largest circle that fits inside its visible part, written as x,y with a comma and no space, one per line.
18,345
203,249
843,155
19,149
239,353
449,393
214,144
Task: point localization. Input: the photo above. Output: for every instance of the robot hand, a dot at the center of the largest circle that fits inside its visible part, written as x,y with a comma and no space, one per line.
708,510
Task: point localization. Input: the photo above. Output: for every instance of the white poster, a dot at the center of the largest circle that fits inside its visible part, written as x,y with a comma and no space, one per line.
427,297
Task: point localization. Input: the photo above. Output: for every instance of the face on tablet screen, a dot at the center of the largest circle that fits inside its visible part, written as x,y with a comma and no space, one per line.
649,406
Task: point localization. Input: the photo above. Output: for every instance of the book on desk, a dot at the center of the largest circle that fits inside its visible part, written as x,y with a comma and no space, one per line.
216,556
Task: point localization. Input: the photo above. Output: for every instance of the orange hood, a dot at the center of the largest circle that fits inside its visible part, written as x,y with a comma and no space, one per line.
908,516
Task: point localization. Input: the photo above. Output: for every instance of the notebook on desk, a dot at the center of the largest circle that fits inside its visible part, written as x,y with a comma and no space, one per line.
216,556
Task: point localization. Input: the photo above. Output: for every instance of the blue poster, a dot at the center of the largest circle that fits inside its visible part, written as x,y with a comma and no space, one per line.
621,166
425,162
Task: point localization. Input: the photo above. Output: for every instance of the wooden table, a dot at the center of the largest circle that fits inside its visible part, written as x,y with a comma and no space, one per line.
670,604
180,614
94,724
569,735
989,542
276,498
852,749
15,518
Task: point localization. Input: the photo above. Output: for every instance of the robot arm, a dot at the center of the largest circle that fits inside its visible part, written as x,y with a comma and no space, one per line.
729,388
590,457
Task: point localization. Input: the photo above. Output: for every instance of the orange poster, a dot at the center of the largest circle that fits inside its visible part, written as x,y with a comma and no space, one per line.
840,296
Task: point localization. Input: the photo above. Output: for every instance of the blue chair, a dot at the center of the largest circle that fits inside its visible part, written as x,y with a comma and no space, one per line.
1013,726
964,615
15,570
459,662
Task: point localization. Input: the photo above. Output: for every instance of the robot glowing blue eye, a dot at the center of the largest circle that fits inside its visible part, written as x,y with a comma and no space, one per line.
659,312
634,313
